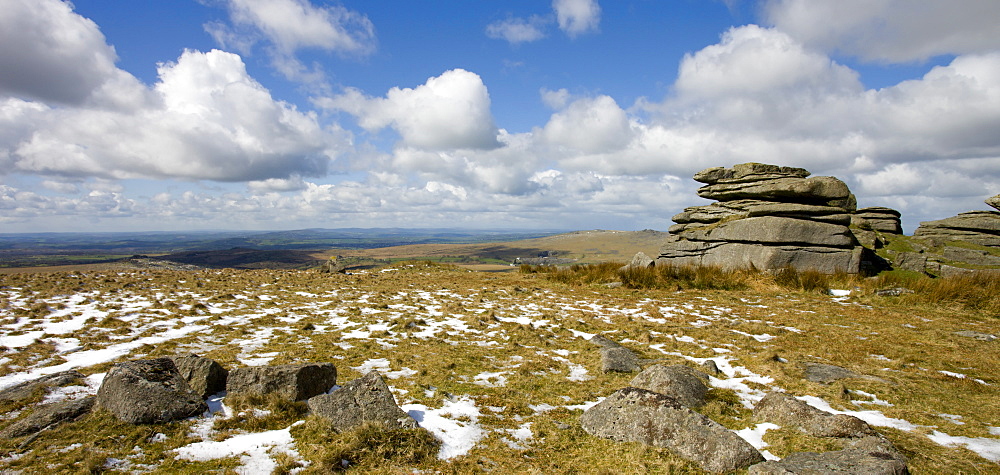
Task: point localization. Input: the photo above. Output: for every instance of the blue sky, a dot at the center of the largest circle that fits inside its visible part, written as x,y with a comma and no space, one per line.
569,114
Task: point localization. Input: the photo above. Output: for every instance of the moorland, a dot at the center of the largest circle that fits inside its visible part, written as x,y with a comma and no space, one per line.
499,366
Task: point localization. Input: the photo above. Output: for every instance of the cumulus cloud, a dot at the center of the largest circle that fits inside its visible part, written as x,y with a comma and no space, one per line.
288,26
890,30
589,125
49,53
576,17
450,111
208,120
518,30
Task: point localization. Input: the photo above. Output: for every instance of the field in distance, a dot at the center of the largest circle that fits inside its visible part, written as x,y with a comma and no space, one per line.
578,247
486,251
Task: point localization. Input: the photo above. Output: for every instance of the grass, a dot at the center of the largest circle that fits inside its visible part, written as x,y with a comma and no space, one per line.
439,327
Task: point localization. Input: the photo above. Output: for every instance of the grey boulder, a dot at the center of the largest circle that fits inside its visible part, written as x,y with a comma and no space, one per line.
786,411
869,455
994,201
294,382
366,399
683,383
48,415
637,415
205,376
148,392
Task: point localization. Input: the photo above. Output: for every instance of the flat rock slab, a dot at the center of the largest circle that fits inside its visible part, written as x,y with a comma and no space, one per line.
637,415
27,389
48,415
366,399
294,382
748,172
976,335
786,411
148,392
870,455
826,373
685,384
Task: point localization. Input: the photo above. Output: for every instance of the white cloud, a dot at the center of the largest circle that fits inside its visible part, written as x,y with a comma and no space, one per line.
292,25
555,99
204,119
518,30
590,125
751,60
450,111
890,30
49,53
576,17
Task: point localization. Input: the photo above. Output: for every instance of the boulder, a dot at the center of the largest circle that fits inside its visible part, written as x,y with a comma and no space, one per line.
869,455
994,201
48,415
619,360
615,357
826,373
975,227
366,399
786,411
881,219
294,382
205,376
639,261
148,392
685,384
637,415
28,388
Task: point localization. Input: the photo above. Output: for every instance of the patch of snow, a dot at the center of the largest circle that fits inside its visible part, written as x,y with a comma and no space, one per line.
986,447
382,366
840,292
255,450
954,418
761,338
520,436
580,334
755,436
874,399
457,437
491,379
953,375
259,360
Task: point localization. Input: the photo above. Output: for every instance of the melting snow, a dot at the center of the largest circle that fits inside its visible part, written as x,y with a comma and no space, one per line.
457,437
755,436
254,450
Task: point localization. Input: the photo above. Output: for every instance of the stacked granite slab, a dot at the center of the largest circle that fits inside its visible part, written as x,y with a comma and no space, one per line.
976,227
881,219
766,217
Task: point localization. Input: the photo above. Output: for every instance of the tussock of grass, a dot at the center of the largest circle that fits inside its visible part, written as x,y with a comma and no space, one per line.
979,291
372,447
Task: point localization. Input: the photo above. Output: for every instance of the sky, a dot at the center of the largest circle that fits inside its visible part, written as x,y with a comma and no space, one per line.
566,114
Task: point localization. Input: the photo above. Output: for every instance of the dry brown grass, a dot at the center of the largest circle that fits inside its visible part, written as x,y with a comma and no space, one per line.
519,325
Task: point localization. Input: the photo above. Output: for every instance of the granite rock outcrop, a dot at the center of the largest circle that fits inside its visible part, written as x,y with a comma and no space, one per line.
767,217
